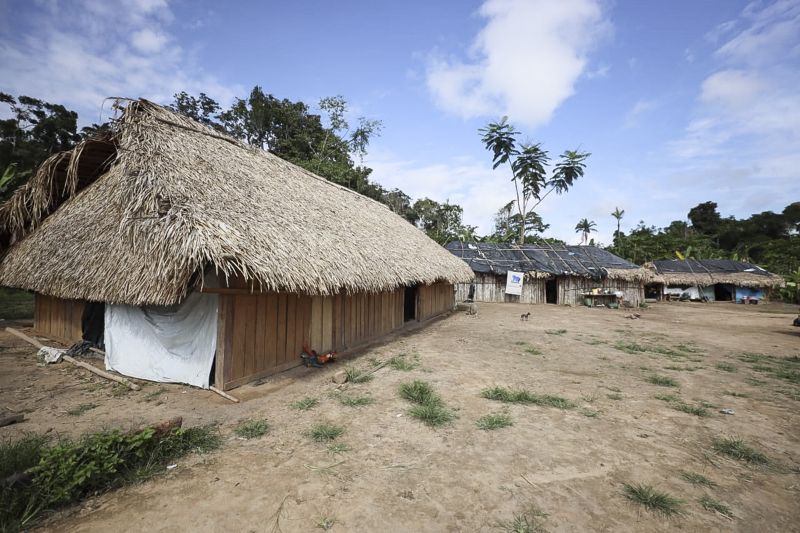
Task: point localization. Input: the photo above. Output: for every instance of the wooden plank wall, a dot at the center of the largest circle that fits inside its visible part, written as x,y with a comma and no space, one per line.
570,289
434,300
491,288
262,334
58,319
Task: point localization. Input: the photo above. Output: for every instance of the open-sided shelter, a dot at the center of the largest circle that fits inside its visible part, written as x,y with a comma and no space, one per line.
711,279
192,250
553,273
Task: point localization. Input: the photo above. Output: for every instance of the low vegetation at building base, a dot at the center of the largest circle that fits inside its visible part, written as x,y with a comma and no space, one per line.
430,408
252,429
652,499
736,448
305,404
502,394
404,363
356,375
49,476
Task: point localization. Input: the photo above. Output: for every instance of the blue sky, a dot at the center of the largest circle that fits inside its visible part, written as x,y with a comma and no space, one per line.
679,102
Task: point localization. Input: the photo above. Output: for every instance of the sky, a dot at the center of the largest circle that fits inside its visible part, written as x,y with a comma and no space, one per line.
678,102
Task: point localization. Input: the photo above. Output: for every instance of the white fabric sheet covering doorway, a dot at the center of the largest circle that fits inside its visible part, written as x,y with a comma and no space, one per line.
174,344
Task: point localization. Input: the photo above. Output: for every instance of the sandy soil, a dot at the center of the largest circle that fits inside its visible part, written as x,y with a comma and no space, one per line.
400,475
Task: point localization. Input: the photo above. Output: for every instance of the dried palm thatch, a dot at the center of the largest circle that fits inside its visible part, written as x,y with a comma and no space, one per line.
138,216
708,272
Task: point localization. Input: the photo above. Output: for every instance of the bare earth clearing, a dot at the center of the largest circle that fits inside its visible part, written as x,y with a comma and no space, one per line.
400,475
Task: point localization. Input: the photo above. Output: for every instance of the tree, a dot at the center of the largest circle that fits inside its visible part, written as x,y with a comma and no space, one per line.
203,108
618,214
705,218
528,164
585,226
440,221
34,131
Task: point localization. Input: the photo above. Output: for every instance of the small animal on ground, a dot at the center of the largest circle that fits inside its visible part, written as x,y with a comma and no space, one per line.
524,317
472,310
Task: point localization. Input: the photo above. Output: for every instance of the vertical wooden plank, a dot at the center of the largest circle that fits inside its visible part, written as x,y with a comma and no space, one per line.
222,331
291,324
300,325
249,315
316,323
280,335
327,323
271,331
259,332
238,341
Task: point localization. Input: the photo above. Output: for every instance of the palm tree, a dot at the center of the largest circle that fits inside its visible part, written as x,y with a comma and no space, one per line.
618,214
585,226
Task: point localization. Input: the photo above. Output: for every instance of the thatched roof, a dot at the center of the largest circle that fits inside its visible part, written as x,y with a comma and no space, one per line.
136,217
706,272
546,260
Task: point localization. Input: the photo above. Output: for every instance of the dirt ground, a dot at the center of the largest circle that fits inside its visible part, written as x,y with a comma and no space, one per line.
400,475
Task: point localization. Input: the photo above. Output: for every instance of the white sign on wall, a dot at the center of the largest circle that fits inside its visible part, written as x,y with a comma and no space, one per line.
514,283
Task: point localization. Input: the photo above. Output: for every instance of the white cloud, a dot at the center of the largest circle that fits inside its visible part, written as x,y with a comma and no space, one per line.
639,109
94,49
600,72
523,63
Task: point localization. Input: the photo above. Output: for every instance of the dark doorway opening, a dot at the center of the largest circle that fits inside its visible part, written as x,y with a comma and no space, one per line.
410,304
93,323
551,291
723,293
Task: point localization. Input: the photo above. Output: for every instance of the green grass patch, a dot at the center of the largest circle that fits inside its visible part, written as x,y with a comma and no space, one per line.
494,421
614,396
681,368
356,375
336,448
419,392
502,394
589,413
305,404
555,331
68,470
530,521
698,479
355,401
630,347
432,415
725,367
710,504
15,304
404,363
652,499
252,429
662,381
80,409
736,448
678,404
325,432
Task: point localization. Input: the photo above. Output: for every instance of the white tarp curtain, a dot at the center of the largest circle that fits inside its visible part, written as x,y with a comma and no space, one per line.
173,344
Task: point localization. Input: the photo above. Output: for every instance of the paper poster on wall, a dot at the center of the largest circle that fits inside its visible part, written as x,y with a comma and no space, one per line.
514,283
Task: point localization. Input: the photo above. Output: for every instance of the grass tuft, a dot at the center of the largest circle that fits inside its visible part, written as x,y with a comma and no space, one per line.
337,448
355,401
698,479
630,347
736,394
325,432
652,499
432,415
531,521
420,392
663,381
252,429
555,331
737,449
710,504
495,421
401,362
503,394
614,396
305,404
356,375
82,408
726,367
589,413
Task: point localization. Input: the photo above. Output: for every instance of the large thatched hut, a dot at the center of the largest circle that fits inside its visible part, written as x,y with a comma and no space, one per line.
552,273
193,250
711,280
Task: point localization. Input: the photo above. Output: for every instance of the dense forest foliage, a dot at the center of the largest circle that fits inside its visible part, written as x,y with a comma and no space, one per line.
325,143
